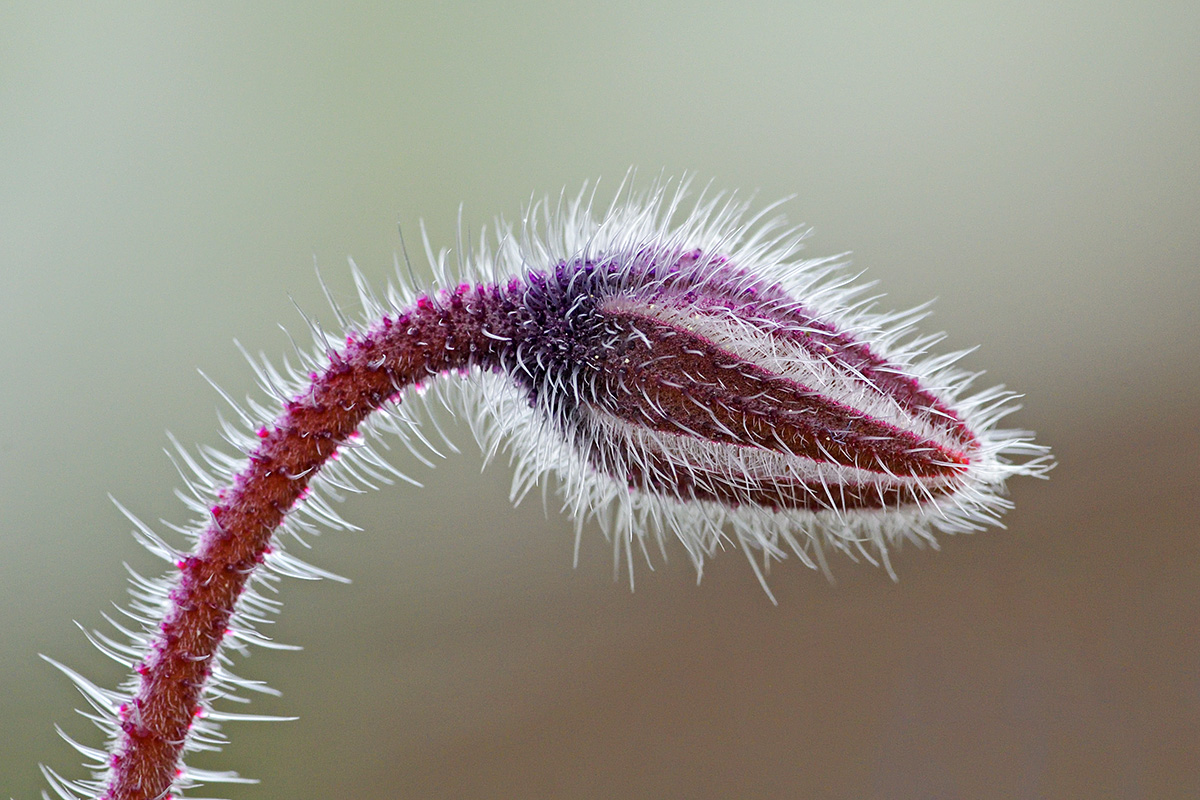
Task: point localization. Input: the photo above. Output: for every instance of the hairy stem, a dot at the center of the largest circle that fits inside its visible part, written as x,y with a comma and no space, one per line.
468,326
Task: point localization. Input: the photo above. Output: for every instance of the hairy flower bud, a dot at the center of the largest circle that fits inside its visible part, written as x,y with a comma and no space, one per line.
696,378
688,378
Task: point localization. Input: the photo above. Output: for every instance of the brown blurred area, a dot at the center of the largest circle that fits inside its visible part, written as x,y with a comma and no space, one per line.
167,175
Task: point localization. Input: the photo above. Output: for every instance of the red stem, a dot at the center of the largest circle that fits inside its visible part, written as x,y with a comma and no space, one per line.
374,367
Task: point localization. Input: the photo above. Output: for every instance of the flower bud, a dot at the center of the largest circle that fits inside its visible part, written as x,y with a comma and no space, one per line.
698,379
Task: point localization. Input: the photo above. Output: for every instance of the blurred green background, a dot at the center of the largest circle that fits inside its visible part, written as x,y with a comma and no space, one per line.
167,173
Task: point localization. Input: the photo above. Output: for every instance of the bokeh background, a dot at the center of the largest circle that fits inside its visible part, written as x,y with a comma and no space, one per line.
167,174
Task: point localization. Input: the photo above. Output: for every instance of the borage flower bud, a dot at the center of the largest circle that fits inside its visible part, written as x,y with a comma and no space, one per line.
690,379
697,379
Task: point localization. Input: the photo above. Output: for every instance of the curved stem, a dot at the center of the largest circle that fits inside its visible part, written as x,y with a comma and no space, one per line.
465,327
